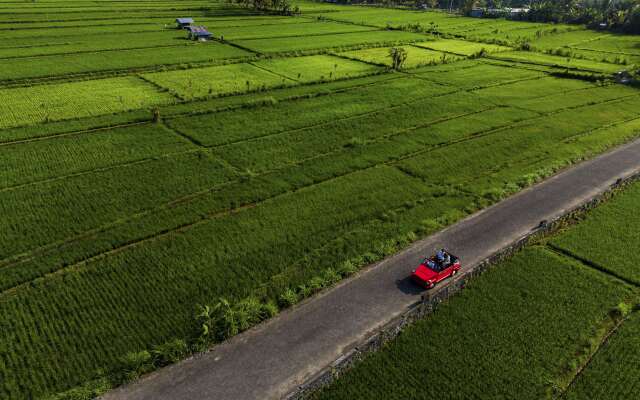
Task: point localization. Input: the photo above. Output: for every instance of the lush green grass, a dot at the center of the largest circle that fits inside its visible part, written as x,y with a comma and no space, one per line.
219,80
203,106
557,61
112,234
29,105
473,74
292,44
87,43
239,125
592,45
258,76
416,56
509,335
306,225
462,47
299,172
613,372
295,32
69,64
40,160
609,237
316,68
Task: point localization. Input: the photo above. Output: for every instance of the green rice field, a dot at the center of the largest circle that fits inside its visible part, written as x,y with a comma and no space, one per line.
143,174
548,323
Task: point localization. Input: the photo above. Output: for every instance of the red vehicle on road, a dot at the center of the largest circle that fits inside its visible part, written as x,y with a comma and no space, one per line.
436,268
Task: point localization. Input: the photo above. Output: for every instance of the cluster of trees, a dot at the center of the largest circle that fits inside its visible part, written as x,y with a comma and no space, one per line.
283,7
618,15
621,15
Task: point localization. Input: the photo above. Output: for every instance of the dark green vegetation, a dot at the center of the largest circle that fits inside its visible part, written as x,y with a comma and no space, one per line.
618,16
613,372
545,323
608,238
276,154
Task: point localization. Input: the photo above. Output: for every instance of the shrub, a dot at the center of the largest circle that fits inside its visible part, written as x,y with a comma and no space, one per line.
169,352
316,284
304,291
330,276
135,364
248,313
347,268
269,309
288,298
621,311
87,391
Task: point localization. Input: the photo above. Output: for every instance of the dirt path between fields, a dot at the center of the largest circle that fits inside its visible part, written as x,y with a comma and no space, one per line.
269,361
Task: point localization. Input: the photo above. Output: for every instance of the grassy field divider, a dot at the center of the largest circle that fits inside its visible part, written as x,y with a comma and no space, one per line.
590,264
343,56
237,46
622,313
125,164
160,89
77,51
137,119
89,76
100,129
431,300
614,320
337,49
274,72
550,65
181,134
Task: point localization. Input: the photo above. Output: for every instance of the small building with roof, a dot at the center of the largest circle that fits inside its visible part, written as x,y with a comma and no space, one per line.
183,23
198,33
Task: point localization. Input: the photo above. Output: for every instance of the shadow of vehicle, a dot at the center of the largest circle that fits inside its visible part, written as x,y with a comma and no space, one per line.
407,286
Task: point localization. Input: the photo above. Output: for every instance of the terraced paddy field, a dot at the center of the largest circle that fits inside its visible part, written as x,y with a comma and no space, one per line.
143,174
560,320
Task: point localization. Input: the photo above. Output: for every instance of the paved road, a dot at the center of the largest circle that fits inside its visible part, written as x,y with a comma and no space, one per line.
268,362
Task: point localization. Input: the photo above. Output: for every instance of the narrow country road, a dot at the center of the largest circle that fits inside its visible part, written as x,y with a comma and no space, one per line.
269,361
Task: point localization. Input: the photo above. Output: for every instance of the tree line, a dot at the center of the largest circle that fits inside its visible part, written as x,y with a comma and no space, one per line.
618,15
615,15
283,7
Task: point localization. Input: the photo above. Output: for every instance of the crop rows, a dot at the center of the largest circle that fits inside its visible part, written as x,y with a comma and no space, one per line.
612,374
207,105
555,61
29,162
608,237
24,106
261,75
286,30
68,64
304,227
509,335
416,56
151,263
258,175
462,47
292,44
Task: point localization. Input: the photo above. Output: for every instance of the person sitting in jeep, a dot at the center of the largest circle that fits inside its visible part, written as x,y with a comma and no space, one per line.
443,258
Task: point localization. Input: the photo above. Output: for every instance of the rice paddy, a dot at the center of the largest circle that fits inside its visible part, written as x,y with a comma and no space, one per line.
143,174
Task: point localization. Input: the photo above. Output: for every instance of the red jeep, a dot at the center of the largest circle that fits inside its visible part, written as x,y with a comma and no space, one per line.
433,269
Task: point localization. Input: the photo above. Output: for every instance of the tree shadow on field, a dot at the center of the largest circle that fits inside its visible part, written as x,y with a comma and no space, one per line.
407,286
